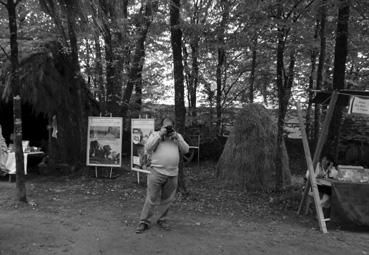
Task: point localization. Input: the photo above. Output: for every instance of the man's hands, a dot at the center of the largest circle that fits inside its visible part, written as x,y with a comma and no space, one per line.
163,131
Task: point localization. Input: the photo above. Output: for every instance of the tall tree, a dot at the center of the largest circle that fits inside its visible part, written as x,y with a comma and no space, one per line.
221,55
176,43
71,9
313,55
286,19
339,71
193,34
105,15
17,102
320,70
253,68
136,65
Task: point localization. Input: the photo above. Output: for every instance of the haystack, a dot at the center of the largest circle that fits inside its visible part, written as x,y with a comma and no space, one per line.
248,158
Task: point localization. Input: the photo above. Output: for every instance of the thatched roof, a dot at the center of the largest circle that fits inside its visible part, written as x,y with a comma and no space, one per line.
50,86
45,77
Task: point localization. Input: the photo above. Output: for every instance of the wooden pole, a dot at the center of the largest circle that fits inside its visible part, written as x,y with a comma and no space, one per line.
321,141
309,163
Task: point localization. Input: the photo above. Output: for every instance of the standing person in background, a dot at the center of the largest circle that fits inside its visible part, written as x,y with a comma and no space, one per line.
165,147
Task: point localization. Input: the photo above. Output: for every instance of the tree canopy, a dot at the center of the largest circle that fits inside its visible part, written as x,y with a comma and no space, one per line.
232,52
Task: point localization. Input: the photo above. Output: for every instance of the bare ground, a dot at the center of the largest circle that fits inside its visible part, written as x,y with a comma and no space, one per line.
84,215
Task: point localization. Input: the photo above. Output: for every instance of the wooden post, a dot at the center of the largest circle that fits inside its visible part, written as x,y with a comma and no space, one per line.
319,147
309,163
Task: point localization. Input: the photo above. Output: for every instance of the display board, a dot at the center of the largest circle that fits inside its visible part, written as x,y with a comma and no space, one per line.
104,141
141,129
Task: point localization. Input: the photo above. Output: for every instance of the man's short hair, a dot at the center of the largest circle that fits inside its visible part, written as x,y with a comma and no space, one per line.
167,118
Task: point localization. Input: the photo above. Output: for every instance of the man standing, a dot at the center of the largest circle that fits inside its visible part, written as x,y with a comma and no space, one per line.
165,147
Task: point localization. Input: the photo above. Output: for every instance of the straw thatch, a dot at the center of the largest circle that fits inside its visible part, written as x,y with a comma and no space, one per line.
49,85
248,158
46,77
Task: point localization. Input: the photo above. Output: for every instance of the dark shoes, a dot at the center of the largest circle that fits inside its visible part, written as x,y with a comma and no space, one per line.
142,227
164,225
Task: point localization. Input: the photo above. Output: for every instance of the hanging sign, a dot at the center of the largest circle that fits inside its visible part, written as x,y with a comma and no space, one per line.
141,129
359,105
104,141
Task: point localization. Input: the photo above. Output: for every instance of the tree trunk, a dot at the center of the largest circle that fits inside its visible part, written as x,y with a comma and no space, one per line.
17,103
72,38
319,78
187,78
99,80
191,77
180,110
253,67
284,85
112,91
340,54
220,64
82,115
313,55
88,64
281,101
219,89
138,91
194,74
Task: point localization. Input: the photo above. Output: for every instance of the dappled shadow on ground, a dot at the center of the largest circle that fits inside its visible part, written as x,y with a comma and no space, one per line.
85,215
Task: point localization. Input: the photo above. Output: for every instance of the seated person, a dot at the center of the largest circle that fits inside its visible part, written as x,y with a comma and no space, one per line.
325,169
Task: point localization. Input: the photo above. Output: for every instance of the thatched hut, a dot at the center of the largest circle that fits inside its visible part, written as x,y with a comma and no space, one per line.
48,88
248,158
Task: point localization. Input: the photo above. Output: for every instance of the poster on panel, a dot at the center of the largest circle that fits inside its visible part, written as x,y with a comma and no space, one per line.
359,105
104,141
141,129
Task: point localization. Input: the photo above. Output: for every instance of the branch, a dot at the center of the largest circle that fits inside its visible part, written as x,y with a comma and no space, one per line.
305,9
360,11
234,59
7,56
293,9
227,103
226,91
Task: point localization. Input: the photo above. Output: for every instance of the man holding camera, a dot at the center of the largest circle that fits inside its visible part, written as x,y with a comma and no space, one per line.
165,147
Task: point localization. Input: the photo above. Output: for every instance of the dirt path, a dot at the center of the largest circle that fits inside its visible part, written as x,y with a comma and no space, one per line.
88,216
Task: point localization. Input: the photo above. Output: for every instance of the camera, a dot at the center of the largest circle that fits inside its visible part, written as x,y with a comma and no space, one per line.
170,130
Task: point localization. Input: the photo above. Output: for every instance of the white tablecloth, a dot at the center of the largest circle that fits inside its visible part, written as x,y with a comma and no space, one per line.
10,162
